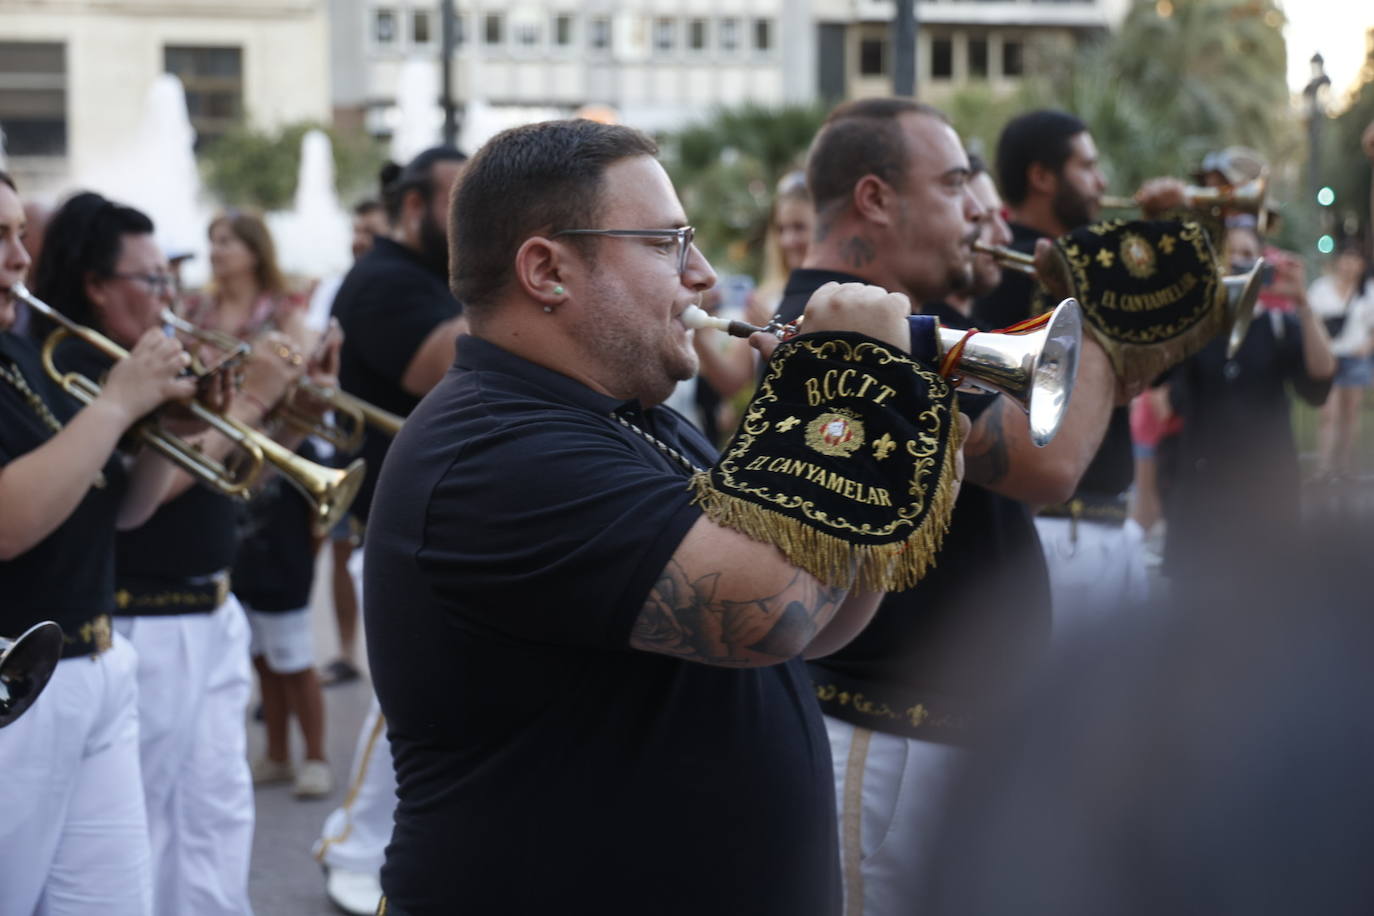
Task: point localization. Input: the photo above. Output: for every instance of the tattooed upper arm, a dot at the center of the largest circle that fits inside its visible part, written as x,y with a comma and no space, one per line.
689,616
987,456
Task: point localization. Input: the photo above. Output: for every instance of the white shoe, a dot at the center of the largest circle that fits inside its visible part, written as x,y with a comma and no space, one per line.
313,780
356,892
267,771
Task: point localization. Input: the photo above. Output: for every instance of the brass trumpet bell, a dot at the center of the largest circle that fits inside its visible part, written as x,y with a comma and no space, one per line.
26,666
1036,369
1251,197
1241,292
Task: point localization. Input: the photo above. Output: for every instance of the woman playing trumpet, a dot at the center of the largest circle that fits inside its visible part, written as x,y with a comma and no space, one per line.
73,828
101,267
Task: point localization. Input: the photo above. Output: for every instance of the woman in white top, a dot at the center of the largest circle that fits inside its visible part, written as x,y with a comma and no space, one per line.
1344,300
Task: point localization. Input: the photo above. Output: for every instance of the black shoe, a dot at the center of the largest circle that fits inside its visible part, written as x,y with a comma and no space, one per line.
339,671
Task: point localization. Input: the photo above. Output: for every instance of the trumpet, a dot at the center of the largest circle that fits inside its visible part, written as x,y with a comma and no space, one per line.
1037,369
1251,197
346,437
26,665
330,491
1237,293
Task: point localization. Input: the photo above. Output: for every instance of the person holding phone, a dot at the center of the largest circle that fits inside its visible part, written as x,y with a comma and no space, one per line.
1344,300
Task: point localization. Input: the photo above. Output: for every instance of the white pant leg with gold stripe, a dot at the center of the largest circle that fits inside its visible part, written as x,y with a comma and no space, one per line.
889,792
356,833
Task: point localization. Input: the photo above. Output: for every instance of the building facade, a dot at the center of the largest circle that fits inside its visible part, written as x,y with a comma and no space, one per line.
658,63
75,74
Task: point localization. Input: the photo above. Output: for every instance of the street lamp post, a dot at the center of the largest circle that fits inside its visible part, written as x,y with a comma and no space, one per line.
446,38
1315,95
904,49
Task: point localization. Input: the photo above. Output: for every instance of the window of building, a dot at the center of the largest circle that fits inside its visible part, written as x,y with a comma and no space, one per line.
493,28
978,58
941,58
33,97
696,34
729,34
419,27
599,33
665,33
763,34
526,34
384,28
1013,60
873,57
213,78
563,30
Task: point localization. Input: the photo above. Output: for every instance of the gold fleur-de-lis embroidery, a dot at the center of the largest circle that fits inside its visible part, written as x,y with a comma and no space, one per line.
1105,257
883,447
1167,243
787,424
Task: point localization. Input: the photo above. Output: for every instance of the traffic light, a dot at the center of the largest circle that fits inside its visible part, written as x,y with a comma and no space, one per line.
1326,196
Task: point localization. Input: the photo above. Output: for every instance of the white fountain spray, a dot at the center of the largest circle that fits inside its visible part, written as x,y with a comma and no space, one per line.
314,236
416,120
155,171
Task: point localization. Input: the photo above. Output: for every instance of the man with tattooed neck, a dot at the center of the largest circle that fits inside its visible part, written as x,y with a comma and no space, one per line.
895,208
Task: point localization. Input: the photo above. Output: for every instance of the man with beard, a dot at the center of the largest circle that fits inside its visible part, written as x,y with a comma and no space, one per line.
896,207
400,322
1048,168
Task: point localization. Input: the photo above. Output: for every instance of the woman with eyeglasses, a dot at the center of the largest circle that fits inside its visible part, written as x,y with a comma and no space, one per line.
73,829
102,267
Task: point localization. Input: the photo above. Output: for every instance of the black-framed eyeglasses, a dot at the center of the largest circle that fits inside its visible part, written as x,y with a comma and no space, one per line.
158,283
683,236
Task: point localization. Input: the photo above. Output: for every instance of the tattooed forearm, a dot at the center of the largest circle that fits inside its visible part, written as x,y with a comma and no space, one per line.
687,618
986,459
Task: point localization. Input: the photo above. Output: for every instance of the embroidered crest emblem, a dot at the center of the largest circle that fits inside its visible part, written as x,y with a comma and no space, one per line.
837,433
1137,256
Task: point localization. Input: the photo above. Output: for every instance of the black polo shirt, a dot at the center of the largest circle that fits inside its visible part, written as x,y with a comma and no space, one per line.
1112,469
387,305
969,629
543,766
69,575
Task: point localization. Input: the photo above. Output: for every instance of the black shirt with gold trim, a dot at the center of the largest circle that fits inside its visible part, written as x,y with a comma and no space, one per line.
69,575
935,654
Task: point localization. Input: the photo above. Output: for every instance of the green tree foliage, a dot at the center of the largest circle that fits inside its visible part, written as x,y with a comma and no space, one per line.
725,169
253,168
1179,78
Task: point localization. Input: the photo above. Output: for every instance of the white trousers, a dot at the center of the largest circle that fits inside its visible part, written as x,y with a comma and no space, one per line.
73,833
889,792
1096,572
356,833
194,684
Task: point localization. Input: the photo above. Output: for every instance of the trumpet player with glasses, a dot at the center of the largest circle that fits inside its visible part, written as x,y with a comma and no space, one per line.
74,828
173,599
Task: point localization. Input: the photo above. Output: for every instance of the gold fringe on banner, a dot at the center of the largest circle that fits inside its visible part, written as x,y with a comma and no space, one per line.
832,560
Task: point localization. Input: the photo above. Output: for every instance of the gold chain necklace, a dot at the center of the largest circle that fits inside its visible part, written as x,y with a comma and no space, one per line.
660,445
11,374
